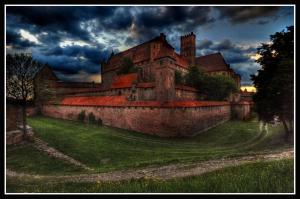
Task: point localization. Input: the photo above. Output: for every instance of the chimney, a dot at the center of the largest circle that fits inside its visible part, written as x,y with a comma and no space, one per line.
162,36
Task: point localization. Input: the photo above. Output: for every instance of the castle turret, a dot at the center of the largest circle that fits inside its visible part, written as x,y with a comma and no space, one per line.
164,80
188,47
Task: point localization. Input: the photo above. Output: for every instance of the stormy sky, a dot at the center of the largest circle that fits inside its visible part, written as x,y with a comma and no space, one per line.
74,39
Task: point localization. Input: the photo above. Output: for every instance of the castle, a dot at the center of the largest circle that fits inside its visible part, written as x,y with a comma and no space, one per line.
148,101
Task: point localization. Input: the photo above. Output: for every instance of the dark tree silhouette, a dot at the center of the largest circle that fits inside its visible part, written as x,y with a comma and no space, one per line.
275,80
20,72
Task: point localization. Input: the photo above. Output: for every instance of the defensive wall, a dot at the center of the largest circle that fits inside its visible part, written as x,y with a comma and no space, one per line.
172,119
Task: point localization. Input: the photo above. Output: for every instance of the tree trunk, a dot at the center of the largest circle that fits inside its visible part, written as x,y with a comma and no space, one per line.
24,120
288,131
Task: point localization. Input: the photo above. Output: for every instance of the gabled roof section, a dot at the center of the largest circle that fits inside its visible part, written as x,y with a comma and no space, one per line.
212,62
165,52
139,52
124,81
181,61
48,69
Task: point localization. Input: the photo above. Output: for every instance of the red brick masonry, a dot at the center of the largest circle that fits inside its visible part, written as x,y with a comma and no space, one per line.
177,118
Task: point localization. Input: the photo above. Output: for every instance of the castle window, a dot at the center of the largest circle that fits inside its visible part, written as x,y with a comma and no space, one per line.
161,62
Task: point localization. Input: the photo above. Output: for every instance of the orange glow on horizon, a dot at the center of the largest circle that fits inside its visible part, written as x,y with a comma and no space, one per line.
249,88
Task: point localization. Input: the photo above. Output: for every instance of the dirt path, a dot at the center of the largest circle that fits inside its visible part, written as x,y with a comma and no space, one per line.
164,172
43,146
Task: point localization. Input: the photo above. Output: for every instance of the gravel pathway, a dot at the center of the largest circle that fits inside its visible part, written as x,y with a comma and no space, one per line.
43,146
164,172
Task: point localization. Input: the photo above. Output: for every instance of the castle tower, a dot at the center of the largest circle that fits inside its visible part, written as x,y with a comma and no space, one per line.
188,47
164,80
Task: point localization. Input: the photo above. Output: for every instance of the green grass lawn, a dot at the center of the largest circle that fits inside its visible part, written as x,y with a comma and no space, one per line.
266,177
25,158
106,149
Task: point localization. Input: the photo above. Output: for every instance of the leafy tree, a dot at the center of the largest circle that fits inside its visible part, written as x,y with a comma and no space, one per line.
178,77
20,72
127,66
275,80
217,87
92,118
193,77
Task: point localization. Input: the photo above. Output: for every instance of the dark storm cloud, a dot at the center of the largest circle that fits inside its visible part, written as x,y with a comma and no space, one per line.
225,44
162,16
204,44
241,14
120,19
72,59
93,54
60,31
66,64
236,58
150,21
62,19
262,22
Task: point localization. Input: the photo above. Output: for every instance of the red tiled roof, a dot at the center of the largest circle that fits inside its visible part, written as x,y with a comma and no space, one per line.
186,88
121,101
124,81
196,103
146,85
212,62
94,101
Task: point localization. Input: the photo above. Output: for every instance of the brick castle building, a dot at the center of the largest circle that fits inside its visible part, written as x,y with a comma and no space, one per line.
149,55
148,101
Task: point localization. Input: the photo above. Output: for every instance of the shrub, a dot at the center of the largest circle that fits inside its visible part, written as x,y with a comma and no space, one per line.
81,116
92,118
178,77
99,122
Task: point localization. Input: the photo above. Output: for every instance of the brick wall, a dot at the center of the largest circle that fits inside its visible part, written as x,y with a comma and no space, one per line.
165,122
241,110
13,116
185,95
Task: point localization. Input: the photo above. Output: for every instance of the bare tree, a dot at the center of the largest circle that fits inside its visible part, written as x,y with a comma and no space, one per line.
20,72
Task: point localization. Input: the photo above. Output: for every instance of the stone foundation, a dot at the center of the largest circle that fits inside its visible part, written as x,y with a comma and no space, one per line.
16,137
